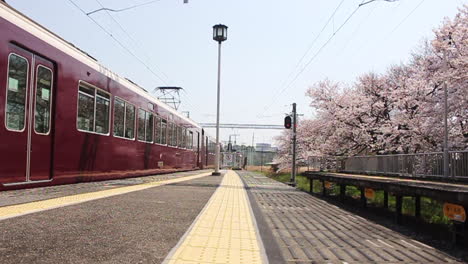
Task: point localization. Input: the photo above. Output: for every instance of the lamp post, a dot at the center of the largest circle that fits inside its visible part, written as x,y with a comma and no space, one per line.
219,35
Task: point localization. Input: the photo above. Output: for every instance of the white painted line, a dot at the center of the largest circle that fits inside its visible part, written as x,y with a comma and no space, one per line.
386,244
411,245
422,244
372,243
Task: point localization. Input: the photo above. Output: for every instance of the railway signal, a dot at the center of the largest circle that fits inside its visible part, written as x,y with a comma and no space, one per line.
288,122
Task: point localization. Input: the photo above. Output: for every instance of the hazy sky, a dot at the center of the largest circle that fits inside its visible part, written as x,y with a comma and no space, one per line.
266,40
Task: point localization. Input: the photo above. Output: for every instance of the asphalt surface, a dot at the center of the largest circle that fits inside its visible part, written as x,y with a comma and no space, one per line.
302,228
137,227
38,194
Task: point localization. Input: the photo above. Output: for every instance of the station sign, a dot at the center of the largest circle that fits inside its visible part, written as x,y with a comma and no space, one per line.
455,212
369,193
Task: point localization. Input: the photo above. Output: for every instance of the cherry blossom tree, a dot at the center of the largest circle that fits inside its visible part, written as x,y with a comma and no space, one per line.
399,111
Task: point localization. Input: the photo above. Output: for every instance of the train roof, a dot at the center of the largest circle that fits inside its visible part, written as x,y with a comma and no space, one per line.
14,16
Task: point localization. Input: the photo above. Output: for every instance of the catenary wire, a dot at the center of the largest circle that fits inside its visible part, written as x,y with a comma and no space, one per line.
311,59
186,101
119,43
122,9
125,48
137,44
309,48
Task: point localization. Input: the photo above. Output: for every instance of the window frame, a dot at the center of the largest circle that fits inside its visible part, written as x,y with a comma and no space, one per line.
166,133
125,119
28,73
144,120
190,133
88,85
50,101
158,128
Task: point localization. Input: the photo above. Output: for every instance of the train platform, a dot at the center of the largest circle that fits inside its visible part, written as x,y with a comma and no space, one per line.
193,217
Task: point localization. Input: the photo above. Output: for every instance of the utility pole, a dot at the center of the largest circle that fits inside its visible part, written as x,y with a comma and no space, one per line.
293,172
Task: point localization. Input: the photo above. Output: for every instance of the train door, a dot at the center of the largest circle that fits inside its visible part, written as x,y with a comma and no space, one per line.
28,113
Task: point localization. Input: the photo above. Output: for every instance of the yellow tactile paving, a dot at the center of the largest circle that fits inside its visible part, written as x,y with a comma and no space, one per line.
28,208
224,232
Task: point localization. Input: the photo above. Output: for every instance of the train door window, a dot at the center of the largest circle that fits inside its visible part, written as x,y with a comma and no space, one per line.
163,131
129,121
18,69
119,117
43,100
145,126
93,110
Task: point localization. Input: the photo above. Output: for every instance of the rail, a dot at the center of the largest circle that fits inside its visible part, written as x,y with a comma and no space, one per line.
408,165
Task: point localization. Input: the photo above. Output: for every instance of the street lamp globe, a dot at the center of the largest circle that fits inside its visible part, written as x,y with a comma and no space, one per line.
220,32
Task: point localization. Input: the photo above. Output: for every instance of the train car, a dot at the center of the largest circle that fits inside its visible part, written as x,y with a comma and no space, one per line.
66,118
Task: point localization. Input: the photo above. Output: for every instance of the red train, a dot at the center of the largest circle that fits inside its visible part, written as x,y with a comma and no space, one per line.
68,119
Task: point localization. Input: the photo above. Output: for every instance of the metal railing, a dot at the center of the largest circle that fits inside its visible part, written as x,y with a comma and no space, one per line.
410,165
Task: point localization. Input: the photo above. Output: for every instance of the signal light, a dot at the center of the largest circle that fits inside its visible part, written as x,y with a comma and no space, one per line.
287,122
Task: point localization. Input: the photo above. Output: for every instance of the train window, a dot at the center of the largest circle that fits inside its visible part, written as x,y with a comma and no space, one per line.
163,131
190,139
18,68
93,110
179,136
85,109
173,134
129,121
43,100
119,117
141,124
149,127
157,129
145,126
169,134
102,112
183,137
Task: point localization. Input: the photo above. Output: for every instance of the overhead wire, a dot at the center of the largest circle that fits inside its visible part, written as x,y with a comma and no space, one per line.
122,9
137,44
309,48
312,58
119,43
122,45
385,37
404,19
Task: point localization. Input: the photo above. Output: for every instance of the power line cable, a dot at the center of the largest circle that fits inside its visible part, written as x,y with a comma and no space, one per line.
313,58
311,45
136,43
404,19
119,43
385,37
127,49
122,9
